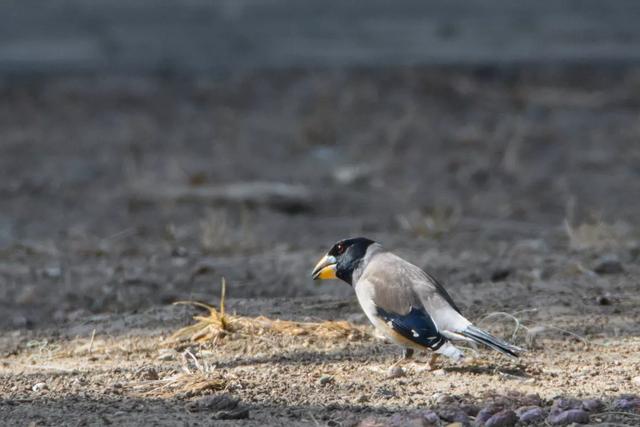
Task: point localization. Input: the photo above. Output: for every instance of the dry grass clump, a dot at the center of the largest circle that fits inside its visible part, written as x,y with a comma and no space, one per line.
197,377
597,235
181,384
217,325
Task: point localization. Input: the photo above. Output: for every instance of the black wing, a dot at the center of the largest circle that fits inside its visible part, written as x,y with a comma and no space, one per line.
416,326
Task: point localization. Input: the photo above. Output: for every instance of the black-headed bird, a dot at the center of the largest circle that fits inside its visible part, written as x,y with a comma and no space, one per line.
404,303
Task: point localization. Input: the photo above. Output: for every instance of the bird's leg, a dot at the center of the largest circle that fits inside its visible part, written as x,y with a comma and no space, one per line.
407,353
396,370
432,363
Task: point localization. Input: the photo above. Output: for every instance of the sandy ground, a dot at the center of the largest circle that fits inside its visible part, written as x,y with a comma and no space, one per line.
120,196
128,373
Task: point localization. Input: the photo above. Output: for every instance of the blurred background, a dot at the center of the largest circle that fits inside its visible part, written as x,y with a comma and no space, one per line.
148,149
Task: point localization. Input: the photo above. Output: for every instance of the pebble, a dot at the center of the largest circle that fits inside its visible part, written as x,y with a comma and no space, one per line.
430,417
443,398
38,387
627,403
562,403
608,265
530,414
506,418
385,393
351,174
487,412
592,405
454,415
325,379
636,380
568,417
532,400
362,398
500,274
470,409
167,354
53,272
395,372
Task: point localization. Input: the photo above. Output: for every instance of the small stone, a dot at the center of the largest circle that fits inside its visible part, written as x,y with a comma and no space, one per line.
430,417
627,404
530,414
395,372
592,405
454,415
608,265
636,380
38,387
53,272
167,354
443,399
562,403
362,398
352,174
568,417
500,274
385,393
325,379
470,409
506,418
219,402
487,412
532,400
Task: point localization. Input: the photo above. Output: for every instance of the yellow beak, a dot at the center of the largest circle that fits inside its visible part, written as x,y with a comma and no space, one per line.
325,268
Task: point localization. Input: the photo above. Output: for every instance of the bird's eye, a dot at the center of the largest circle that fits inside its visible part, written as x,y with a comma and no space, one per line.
340,249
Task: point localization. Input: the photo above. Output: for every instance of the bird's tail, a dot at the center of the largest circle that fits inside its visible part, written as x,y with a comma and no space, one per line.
483,337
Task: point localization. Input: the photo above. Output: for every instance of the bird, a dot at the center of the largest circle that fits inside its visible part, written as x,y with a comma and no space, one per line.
404,303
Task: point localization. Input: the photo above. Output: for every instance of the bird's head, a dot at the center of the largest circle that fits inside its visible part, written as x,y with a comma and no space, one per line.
344,257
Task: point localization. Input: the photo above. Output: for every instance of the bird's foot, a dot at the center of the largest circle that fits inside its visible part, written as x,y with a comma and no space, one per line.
433,364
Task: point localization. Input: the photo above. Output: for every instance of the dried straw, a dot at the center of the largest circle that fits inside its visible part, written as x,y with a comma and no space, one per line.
218,324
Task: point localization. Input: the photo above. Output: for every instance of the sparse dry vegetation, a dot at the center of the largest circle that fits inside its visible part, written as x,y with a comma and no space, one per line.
218,325
598,235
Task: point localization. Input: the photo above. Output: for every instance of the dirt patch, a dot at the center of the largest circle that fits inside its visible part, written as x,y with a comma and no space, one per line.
515,187
116,376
